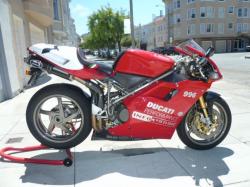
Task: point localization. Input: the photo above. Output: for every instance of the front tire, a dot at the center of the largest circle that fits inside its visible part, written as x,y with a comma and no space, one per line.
216,107
59,116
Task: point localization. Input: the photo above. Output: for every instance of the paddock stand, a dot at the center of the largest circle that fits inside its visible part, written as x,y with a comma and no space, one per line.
66,162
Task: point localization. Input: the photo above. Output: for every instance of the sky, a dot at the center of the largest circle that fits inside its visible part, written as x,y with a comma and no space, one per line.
143,10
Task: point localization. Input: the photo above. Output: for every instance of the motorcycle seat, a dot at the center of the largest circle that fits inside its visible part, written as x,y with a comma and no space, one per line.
103,67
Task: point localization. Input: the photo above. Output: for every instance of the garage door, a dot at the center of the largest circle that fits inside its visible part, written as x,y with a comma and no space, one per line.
36,34
206,44
220,46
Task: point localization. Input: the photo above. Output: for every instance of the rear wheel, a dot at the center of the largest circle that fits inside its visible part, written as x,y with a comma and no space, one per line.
196,134
59,116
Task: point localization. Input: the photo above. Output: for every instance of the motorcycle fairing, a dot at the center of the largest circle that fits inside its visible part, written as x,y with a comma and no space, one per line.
65,58
143,63
62,56
150,116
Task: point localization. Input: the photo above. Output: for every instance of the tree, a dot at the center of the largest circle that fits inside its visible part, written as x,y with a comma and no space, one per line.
106,28
126,41
119,28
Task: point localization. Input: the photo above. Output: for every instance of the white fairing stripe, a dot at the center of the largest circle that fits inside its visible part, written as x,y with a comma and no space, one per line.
64,57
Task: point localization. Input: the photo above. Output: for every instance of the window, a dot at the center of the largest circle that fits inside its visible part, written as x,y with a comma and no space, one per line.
245,27
206,28
191,29
202,28
242,27
191,14
56,9
177,18
203,12
245,12
210,12
209,28
230,10
206,12
190,1
221,12
177,4
242,12
239,27
230,25
221,28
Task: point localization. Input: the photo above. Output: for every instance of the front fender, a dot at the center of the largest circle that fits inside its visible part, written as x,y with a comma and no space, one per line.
211,95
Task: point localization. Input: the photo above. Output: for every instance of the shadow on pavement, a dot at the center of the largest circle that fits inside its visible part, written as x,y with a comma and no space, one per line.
155,163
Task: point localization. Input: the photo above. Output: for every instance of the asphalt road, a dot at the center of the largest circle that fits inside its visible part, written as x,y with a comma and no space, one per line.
235,67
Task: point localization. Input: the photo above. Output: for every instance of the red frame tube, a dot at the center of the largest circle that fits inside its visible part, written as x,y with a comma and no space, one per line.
9,157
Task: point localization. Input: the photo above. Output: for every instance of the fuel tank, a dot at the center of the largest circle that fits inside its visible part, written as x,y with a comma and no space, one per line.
143,63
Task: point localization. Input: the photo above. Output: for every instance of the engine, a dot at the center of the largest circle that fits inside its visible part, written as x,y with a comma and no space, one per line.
120,115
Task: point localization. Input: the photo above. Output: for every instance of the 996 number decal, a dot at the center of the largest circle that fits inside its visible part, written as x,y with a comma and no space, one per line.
189,94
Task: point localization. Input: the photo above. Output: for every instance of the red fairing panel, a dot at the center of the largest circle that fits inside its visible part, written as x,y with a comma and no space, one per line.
144,63
87,73
153,117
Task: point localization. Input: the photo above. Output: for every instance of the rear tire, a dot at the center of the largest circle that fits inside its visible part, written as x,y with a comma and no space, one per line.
76,100
202,145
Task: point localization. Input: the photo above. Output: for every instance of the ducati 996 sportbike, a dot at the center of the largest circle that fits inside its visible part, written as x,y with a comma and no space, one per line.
142,95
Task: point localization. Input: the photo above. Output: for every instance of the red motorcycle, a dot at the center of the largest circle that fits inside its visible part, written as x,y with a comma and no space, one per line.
142,95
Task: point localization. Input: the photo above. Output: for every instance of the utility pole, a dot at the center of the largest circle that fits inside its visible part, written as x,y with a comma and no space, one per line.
132,23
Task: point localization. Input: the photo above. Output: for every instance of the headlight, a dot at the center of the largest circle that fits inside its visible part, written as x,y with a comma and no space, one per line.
214,76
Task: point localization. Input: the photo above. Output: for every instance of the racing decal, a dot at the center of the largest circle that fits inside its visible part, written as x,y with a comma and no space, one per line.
160,108
157,114
161,118
168,121
142,117
189,94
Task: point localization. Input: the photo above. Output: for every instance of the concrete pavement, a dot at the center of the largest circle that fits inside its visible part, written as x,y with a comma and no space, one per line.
139,163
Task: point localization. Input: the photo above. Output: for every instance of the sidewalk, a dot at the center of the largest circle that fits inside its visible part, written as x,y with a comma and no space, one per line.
139,163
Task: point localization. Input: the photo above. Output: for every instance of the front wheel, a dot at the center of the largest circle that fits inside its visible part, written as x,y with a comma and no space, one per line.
59,116
196,134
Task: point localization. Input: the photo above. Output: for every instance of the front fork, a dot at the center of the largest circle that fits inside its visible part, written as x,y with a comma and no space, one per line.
204,109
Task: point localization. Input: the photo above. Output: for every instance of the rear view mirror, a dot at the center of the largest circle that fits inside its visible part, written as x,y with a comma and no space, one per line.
210,52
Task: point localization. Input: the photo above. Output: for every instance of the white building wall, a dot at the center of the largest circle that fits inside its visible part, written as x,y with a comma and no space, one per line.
5,22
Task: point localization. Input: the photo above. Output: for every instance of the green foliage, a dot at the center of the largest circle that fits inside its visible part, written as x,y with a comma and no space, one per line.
106,29
126,41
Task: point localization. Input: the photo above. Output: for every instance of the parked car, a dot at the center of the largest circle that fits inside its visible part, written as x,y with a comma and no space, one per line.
114,53
248,48
95,53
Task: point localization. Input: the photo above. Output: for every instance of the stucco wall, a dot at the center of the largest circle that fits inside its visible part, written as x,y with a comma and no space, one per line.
5,21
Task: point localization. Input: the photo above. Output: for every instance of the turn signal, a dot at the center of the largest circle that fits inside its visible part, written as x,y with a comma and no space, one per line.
27,72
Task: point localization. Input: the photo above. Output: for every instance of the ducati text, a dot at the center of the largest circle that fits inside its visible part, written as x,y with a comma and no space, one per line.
160,108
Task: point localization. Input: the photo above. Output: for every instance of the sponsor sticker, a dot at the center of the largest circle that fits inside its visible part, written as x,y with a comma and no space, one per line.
141,116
